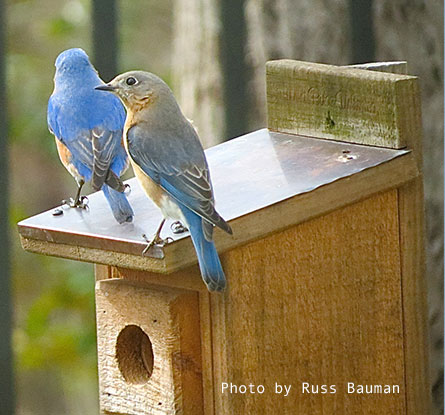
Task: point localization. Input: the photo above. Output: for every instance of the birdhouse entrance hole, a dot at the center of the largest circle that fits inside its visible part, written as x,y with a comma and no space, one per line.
134,354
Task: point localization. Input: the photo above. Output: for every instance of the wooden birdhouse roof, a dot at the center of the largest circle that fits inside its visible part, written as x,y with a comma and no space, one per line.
264,182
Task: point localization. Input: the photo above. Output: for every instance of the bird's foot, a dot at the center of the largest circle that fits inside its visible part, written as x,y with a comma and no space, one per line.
155,241
178,227
81,203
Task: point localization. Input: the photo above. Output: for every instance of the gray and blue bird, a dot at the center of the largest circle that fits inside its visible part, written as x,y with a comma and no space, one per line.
170,164
88,126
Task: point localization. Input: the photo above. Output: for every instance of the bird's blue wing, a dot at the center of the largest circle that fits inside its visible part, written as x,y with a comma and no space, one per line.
92,150
176,161
104,144
51,117
61,123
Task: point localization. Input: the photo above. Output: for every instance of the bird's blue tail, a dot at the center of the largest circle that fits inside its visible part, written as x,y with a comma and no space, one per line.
208,259
119,205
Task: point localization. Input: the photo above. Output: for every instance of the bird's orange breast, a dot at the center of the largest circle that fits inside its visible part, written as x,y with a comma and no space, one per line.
66,157
151,189
64,153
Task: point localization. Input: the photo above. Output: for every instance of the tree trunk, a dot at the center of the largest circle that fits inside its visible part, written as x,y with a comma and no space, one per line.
196,67
309,30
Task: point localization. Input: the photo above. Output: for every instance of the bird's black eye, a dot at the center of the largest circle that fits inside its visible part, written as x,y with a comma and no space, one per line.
130,81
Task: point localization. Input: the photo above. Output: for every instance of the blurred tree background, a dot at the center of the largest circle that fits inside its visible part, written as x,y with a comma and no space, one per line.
186,43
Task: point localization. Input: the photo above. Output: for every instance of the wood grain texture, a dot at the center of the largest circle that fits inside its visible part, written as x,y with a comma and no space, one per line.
326,101
190,279
412,253
318,303
170,319
274,218
406,115
415,311
206,351
400,67
102,272
295,165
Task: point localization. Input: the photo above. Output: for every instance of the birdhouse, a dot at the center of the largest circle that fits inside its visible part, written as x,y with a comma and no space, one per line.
324,311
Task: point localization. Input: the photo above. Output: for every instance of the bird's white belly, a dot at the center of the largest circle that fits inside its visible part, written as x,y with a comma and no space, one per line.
165,203
170,209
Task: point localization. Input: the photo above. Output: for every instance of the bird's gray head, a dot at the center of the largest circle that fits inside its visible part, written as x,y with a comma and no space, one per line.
138,89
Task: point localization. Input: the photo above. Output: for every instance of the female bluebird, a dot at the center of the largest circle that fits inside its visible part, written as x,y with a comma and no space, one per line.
88,127
170,164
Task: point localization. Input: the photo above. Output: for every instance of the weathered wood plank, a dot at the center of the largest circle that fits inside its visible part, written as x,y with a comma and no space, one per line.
160,374
205,323
295,165
274,218
319,303
415,310
400,67
338,103
188,278
102,272
412,255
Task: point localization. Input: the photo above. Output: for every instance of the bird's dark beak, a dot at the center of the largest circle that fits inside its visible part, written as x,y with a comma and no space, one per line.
106,87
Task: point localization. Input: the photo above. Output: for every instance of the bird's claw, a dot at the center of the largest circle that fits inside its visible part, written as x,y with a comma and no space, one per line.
149,244
155,241
178,227
81,203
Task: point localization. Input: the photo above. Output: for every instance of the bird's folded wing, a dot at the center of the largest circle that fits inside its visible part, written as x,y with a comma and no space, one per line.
104,146
91,150
178,165
78,142
114,181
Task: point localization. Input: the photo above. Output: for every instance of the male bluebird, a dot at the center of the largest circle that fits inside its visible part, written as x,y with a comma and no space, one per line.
170,164
88,127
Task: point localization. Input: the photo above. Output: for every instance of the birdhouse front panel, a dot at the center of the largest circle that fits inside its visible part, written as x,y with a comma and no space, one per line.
149,349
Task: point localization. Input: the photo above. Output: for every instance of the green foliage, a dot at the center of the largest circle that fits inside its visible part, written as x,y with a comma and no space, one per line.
60,27
55,328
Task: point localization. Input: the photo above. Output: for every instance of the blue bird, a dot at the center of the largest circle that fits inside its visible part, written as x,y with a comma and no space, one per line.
88,126
170,164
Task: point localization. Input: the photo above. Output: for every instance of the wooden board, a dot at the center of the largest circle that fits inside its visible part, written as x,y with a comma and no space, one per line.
347,260
414,285
190,279
149,349
298,169
412,255
319,303
339,103
405,111
400,67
